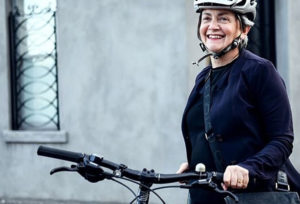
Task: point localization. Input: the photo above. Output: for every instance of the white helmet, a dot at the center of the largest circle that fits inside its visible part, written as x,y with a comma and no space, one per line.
247,8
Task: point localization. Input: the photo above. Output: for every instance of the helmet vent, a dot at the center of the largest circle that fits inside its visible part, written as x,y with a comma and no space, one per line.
242,3
252,2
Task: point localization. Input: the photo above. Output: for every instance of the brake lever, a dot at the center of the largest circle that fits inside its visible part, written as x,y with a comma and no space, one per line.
63,168
212,186
196,183
228,193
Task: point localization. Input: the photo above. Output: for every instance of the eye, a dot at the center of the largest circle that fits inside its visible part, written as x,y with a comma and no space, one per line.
224,19
206,19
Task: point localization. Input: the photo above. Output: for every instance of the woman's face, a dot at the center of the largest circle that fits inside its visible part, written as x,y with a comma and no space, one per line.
218,28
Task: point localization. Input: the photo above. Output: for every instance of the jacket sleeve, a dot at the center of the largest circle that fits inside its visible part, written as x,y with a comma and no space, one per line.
274,110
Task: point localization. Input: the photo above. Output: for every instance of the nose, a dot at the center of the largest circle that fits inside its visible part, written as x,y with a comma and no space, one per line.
214,25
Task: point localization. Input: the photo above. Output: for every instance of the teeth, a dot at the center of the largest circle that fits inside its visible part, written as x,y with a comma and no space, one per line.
215,36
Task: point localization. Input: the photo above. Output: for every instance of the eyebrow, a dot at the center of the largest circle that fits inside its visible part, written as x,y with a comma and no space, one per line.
219,14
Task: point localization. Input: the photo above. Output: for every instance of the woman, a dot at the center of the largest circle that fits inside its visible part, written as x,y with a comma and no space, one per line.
248,112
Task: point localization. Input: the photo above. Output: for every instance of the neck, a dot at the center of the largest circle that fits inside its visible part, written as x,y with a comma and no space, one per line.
226,59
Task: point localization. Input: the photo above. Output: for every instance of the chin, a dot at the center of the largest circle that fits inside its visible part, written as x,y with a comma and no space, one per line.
215,49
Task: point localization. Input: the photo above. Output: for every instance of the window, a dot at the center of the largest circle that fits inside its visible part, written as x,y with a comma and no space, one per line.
34,85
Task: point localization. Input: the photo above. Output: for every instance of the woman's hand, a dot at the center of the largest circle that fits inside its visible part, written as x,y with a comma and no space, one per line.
183,167
235,177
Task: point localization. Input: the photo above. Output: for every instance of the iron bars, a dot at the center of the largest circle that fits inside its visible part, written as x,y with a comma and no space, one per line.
34,80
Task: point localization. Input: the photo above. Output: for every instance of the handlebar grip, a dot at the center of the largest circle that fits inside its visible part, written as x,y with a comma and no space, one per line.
219,176
60,154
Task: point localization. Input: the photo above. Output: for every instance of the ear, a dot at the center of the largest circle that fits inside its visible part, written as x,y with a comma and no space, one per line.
245,32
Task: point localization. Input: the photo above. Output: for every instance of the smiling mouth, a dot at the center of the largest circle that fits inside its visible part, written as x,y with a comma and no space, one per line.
215,36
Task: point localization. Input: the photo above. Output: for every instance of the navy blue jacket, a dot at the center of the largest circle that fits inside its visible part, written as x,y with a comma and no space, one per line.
251,111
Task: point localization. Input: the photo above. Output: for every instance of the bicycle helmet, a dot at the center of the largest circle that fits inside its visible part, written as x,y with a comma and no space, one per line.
247,8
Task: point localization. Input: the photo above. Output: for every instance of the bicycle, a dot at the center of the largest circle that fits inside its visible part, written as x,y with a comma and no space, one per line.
90,166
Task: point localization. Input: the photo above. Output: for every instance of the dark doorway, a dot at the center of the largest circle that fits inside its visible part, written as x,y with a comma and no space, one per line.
262,35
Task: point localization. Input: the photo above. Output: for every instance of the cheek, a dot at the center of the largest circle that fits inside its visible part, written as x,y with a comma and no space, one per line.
232,31
202,31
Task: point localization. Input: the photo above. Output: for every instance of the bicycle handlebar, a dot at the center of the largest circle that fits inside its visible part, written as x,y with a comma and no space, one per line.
90,167
145,175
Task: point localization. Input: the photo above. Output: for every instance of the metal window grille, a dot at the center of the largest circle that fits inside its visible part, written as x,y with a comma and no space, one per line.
34,65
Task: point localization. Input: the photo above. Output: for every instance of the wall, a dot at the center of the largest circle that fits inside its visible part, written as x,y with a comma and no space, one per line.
124,76
287,27
294,73
123,84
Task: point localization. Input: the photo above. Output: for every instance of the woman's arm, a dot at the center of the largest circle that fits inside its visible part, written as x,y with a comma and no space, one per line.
275,113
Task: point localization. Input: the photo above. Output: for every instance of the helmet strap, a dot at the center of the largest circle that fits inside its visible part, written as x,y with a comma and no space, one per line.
203,47
202,58
235,43
216,55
